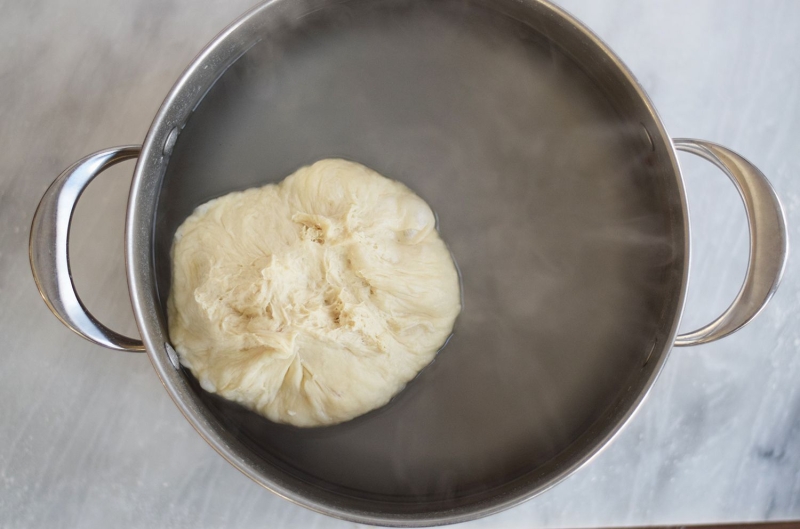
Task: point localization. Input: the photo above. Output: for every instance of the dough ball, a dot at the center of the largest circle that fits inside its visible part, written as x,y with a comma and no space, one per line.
314,300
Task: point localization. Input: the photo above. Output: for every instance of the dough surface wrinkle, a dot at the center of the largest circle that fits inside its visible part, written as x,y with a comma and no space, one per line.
314,300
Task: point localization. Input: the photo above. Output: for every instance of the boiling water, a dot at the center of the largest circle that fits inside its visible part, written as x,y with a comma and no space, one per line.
543,194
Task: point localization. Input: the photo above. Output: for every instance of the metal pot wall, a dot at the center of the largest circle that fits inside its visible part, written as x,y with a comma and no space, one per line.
558,191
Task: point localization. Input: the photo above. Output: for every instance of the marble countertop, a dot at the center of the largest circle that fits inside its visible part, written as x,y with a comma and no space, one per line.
89,438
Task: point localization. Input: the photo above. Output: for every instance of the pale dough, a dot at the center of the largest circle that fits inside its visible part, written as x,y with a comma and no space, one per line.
314,300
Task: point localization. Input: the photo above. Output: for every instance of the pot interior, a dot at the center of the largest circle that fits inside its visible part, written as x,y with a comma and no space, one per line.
564,219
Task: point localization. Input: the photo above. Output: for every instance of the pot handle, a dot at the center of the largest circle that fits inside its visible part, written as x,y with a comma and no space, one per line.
768,241
49,248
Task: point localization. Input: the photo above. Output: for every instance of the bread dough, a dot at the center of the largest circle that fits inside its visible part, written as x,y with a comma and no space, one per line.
314,300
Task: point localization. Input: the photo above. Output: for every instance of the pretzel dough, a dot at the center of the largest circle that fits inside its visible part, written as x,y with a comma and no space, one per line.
314,300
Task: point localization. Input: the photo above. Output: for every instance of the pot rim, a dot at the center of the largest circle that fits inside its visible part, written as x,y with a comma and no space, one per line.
139,269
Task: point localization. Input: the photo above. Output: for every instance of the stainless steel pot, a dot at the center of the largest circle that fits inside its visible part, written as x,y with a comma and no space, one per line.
557,189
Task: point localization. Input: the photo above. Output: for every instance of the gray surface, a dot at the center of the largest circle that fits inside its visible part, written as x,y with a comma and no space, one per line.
90,439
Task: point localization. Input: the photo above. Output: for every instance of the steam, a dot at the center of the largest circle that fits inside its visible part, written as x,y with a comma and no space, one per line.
552,204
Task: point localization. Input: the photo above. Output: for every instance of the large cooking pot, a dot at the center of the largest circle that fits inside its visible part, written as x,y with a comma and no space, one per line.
557,189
